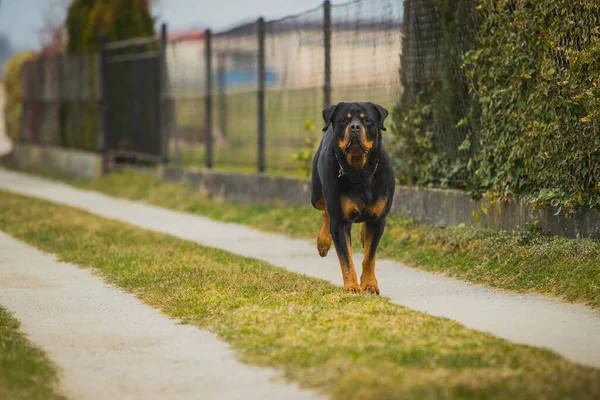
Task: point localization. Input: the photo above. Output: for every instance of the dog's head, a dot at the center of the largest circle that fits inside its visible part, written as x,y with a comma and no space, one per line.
357,128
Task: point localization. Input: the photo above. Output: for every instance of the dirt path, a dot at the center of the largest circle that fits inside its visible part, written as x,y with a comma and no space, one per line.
108,345
571,330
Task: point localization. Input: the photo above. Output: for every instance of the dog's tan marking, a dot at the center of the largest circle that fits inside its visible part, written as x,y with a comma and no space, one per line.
356,159
348,115
368,282
362,115
375,210
349,206
320,203
349,272
324,237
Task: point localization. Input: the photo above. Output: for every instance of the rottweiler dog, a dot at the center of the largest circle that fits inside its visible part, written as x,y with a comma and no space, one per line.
353,181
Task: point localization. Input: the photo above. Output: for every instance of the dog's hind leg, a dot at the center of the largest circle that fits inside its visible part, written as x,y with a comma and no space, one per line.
324,237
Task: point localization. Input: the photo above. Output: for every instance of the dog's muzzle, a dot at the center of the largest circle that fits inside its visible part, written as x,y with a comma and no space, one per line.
354,145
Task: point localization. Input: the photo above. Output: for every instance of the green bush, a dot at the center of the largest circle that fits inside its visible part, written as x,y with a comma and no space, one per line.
525,121
119,19
86,20
535,75
432,143
13,89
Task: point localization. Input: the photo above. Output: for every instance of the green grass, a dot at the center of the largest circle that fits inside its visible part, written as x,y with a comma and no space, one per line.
25,371
565,268
344,345
286,112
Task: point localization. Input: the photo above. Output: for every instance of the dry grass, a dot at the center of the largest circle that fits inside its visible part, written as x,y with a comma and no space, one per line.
565,268
347,346
25,371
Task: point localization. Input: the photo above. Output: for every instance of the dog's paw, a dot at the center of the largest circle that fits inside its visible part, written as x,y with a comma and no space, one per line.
352,287
369,285
323,245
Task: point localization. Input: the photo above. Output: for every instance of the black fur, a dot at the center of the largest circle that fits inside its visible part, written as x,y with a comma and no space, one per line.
366,185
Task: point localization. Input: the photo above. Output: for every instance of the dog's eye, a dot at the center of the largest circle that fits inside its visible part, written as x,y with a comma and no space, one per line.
367,120
343,121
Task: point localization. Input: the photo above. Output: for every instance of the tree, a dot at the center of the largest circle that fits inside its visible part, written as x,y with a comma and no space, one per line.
119,19
52,34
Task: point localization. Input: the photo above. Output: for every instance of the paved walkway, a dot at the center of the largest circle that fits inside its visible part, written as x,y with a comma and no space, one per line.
571,330
109,345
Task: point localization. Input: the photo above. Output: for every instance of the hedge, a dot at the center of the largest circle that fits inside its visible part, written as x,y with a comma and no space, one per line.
529,126
536,78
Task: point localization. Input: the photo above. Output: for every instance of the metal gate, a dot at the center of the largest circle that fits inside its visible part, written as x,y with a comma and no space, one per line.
133,77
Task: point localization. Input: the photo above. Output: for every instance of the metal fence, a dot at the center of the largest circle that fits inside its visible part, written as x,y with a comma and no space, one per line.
246,98
60,101
270,80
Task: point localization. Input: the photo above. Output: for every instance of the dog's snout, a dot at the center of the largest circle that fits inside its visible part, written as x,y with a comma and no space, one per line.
355,128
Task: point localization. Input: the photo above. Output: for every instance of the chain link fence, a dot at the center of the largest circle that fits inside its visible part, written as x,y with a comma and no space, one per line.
60,101
247,98
434,141
365,51
269,82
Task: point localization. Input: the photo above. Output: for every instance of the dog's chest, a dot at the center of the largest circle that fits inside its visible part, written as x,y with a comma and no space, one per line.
358,208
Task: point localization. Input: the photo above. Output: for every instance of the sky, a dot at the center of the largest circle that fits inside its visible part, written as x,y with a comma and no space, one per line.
22,19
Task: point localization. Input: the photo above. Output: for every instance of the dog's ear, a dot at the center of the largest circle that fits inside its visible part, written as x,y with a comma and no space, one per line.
328,115
382,114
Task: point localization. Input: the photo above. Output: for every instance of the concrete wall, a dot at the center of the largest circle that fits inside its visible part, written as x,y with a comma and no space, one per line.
430,206
73,162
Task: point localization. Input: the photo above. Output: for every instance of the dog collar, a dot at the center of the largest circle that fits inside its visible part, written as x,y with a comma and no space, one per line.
341,171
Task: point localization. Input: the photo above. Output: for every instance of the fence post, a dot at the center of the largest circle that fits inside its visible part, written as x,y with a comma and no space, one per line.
221,67
104,104
208,100
25,81
327,48
39,99
137,71
261,95
59,99
162,79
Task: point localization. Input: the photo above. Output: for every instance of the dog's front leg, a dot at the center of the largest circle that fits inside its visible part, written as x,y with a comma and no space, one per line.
340,232
372,233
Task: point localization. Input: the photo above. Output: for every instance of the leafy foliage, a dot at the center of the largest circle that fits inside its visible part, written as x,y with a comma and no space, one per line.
536,78
119,19
432,145
525,120
86,20
13,86
303,159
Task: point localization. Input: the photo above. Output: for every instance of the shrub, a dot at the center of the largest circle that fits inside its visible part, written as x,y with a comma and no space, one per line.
89,18
523,116
432,143
13,86
86,20
536,78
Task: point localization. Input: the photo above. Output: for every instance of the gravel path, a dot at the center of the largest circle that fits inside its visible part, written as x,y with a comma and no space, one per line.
571,330
109,345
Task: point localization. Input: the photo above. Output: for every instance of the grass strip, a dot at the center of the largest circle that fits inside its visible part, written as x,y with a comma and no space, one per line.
526,263
347,346
25,371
